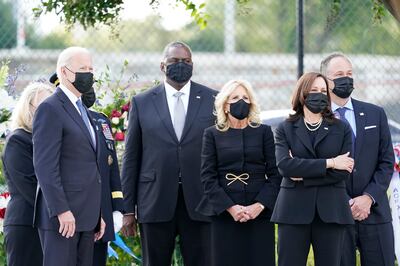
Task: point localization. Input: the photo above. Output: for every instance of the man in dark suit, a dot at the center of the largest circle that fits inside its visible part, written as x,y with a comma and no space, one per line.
67,210
161,165
111,194
372,151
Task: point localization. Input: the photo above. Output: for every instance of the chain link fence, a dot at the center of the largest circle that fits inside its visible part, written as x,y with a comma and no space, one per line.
256,41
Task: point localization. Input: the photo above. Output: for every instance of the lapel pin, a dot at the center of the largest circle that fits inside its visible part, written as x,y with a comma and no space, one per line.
361,114
198,97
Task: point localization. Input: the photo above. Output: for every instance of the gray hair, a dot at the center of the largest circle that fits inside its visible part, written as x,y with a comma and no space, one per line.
175,44
325,62
65,57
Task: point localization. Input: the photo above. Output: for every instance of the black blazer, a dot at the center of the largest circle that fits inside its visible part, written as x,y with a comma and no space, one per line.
238,151
322,189
154,158
20,178
374,160
111,192
66,165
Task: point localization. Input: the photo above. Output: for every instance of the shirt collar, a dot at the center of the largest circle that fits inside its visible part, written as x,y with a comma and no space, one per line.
171,90
348,106
71,96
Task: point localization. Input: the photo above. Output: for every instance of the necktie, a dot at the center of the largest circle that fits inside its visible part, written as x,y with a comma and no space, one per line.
342,112
85,119
179,115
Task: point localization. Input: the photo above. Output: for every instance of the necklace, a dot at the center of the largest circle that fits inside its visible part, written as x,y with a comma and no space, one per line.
313,126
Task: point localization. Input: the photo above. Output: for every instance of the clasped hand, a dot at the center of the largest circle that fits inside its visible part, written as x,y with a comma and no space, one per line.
243,214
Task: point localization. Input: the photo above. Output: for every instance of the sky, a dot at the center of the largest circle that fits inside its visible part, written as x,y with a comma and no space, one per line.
173,15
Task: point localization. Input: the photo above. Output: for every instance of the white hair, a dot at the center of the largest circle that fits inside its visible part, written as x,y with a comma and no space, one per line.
64,59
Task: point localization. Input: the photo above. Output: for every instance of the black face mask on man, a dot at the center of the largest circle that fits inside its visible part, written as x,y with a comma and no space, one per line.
316,102
343,87
89,98
240,109
179,72
83,81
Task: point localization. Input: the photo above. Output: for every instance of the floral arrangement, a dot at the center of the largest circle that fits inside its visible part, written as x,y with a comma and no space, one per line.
4,199
396,150
7,94
113,99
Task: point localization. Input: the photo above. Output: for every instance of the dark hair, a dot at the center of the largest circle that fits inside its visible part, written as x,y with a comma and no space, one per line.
175,44
303,88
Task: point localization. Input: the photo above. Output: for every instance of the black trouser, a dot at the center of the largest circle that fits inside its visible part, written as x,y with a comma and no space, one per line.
374,241
158,239
294,242
22,245
100,253
61,251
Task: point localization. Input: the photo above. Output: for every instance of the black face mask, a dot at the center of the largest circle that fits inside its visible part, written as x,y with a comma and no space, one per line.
343,87
179,72
89,98
316,102
240,109
83,81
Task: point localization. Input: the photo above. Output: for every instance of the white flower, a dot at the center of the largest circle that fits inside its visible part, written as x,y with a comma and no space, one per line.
115,120
3,202
6,101
113,130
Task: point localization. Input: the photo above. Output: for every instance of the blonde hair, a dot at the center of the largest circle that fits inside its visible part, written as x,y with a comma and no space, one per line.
222,98
65,58
22,115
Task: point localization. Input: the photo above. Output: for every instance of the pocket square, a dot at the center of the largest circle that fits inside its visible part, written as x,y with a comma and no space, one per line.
369,127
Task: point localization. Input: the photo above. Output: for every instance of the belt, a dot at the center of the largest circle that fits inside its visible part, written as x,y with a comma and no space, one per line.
232,178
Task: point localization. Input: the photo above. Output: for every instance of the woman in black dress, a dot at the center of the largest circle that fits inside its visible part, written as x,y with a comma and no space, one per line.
21,238
312,153
241,180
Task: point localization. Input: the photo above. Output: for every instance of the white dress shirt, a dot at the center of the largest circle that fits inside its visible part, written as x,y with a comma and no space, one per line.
72,97
350,117
171,99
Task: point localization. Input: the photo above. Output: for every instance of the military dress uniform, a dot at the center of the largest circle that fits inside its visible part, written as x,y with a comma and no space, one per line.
112,199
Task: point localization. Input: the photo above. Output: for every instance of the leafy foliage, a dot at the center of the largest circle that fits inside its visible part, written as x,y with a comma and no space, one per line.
90,13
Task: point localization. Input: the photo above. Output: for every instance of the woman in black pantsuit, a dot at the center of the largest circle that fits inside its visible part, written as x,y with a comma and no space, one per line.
21,238
240,180
312,152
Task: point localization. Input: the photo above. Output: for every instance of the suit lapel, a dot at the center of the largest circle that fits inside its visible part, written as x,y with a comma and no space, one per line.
302,134
74,114
193,108
161,105
95,129
360,118
322,133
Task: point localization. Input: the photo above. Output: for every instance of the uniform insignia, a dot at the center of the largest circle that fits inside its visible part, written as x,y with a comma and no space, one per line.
107,131
110,160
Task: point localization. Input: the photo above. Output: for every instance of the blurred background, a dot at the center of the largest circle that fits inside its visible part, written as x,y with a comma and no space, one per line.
256,41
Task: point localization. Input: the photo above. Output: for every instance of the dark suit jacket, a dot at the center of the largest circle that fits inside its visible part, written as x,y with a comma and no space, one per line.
20,177
238,151
322,189
66,166
154,158
374,160
111,194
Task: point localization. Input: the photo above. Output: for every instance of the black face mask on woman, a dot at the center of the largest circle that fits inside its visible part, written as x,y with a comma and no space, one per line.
83,81
316,102
179,72
240,109
343,87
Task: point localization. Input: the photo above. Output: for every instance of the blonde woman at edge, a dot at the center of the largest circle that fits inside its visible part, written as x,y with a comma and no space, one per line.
241,180
21,238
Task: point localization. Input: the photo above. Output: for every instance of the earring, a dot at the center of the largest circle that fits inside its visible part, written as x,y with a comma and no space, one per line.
226,111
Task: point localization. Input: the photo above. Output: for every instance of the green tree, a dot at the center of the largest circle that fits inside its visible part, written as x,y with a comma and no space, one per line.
8,25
